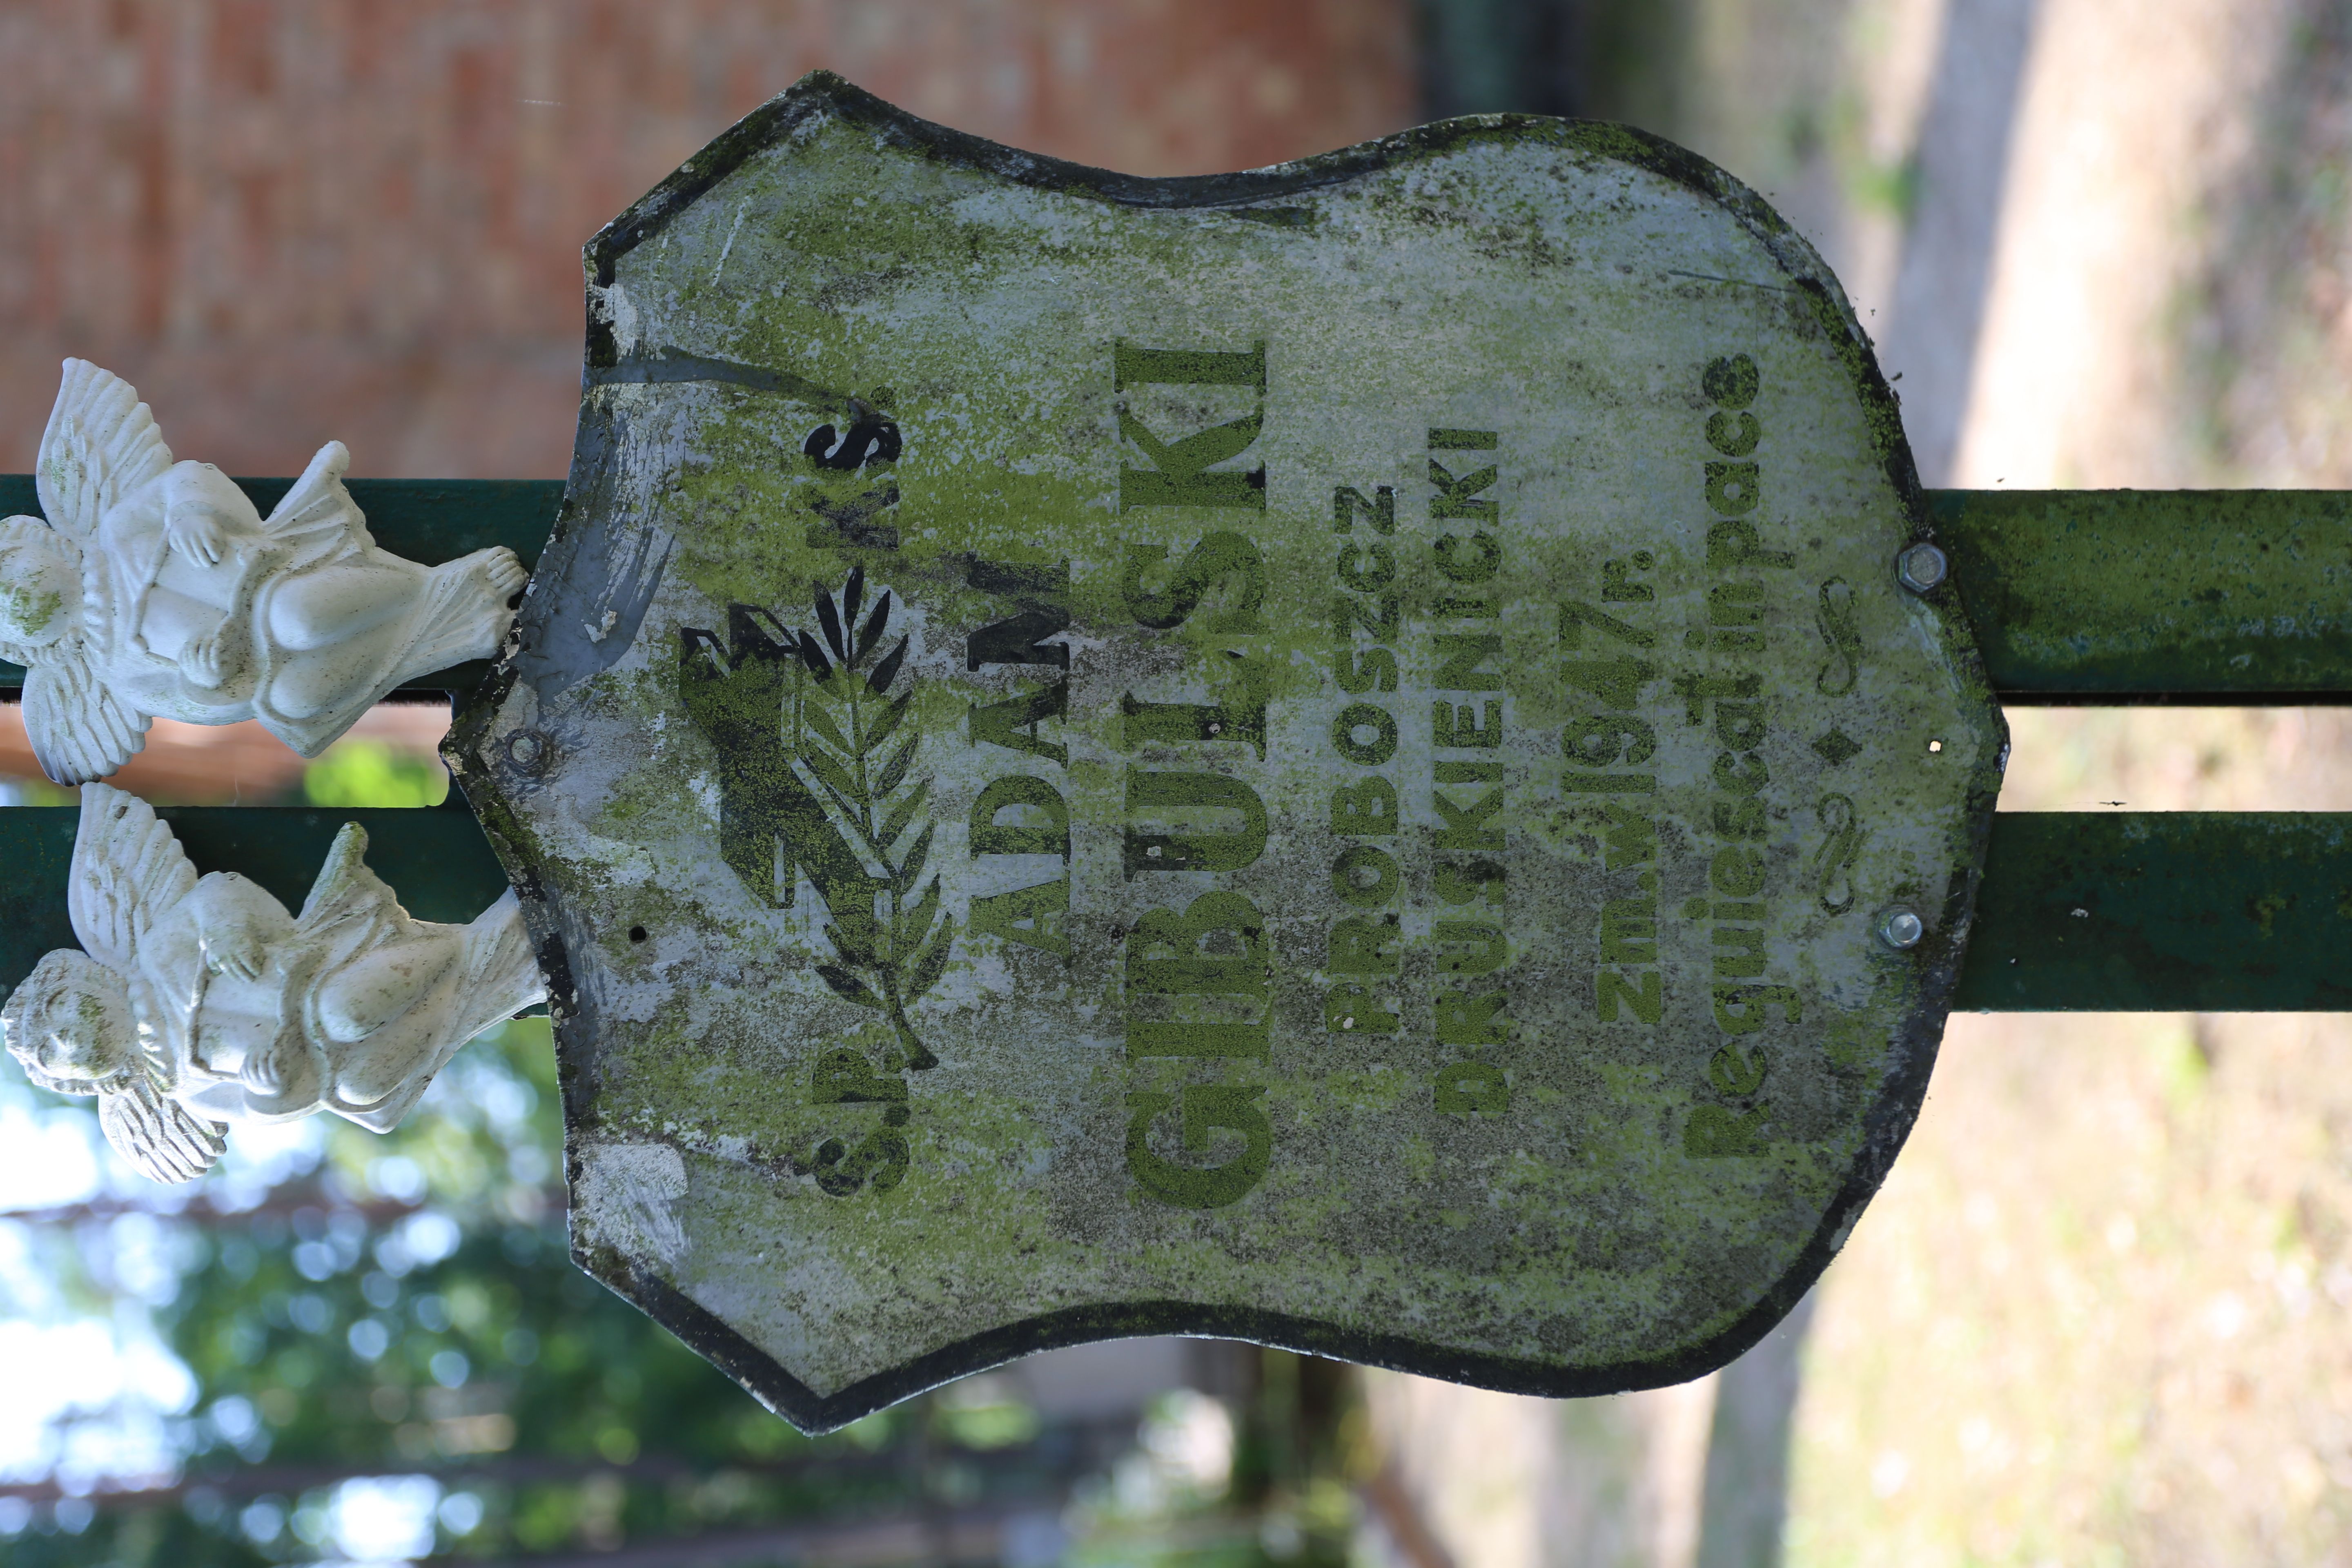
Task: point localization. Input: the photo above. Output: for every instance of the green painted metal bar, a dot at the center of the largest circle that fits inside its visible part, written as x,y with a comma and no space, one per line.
430,521
2180,911
2242,598
2164,912
435,859
2109,597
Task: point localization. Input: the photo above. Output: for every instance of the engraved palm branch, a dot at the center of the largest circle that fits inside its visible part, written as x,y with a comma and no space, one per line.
851,736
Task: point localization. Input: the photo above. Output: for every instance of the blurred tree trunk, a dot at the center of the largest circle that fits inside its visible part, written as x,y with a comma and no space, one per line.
1744,1500
1485,57
1594,59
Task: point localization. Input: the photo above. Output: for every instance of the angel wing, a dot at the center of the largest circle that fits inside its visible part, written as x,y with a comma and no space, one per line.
127,869
80,731
318,517
155,1133
101,444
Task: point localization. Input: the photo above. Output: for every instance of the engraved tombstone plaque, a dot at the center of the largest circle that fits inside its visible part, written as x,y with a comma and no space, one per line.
1334,755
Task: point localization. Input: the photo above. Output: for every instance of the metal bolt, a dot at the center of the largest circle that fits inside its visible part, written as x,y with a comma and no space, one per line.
1922,567
1901,929
528,751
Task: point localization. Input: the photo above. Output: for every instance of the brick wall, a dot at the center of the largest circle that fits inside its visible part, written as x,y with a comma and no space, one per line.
292,220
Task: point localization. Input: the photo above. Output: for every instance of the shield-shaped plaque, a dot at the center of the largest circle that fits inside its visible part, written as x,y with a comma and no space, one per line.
1360,755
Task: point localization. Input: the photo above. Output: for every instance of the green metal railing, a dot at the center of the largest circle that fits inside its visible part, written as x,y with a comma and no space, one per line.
2240,598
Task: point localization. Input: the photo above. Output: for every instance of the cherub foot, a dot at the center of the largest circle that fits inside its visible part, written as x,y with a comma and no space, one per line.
505,572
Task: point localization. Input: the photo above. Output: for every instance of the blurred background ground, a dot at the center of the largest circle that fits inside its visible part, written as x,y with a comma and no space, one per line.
2099,1313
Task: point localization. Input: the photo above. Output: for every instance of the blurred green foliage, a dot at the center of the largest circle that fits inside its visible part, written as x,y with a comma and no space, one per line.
394,1321
370,773
404,1306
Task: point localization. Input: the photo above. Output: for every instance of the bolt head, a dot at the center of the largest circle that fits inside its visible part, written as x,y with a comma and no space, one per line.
1901,929
528,751
1922,567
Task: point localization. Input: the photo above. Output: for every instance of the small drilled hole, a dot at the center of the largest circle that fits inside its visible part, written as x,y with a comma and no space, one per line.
637,933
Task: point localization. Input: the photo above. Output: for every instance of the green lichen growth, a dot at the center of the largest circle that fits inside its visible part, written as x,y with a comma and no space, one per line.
28,611
1567,1238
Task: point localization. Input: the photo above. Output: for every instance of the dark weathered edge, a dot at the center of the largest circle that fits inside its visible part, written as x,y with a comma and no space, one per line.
1886,1124
708,1336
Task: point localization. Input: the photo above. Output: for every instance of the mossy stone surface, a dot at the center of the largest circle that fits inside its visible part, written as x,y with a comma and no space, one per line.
1365,820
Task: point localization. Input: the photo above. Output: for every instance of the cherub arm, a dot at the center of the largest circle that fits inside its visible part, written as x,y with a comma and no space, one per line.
194,533
215,660
233,924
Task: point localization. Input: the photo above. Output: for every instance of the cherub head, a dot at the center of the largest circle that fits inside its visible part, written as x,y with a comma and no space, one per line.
70,1025
40,585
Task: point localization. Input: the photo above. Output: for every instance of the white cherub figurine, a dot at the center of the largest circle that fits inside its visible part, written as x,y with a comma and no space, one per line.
201,1003
157,588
